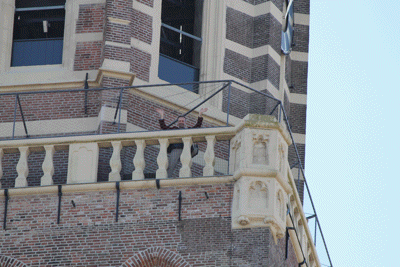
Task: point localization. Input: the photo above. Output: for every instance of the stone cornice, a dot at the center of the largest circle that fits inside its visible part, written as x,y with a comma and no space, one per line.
124,185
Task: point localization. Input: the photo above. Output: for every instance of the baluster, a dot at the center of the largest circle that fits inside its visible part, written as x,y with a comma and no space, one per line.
22,167
138,160
209,156
115,162
162,159
186,158
1,167
48,166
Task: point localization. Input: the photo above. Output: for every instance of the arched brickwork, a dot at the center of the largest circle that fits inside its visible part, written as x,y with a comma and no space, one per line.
156,257
9,262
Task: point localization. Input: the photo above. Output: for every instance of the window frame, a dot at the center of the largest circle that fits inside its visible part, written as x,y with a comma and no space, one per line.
45,43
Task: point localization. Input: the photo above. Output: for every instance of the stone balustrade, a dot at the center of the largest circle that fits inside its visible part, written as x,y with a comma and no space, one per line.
84,153
264,192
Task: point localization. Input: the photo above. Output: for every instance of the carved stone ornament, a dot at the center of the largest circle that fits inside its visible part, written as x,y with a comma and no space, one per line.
83,163
259,202
235,153
243,220
260,149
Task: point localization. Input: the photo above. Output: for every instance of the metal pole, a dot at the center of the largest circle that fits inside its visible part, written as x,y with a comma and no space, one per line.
125,87
273,110
59,203
315,231
117,208
180,205
120,107
22,115
229,104
86,93
5,208
181,32
201,103
254,90
15,115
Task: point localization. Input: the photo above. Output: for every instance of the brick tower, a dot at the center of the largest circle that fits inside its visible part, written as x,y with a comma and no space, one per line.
83,172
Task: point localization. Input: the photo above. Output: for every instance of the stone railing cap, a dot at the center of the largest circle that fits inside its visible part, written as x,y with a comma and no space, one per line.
265,122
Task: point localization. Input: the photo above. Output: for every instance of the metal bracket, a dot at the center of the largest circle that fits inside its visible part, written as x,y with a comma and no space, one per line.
86,86
5,209
59,203
117,207
180,205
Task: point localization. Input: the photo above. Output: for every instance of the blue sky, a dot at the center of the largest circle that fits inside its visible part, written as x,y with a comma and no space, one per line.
353,110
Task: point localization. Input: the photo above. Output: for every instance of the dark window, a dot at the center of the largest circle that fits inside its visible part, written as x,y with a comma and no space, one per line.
38,32
180,41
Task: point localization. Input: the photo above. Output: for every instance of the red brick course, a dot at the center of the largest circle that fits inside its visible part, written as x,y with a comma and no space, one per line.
140,64
91,18
50,106
88,55
146,2
142,26
120,9
118,33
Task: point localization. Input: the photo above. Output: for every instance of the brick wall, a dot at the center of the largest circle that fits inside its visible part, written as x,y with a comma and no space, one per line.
91,18
298,118
277,3
140,64
251,31
142,26
49,106
302,6
242,103
299,77
301,38
88,55
118,33
146,2
239,103
148,220
121,9
251,70
237,65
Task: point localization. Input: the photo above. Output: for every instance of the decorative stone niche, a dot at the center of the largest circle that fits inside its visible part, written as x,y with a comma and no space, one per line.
259,155
259,202
83,162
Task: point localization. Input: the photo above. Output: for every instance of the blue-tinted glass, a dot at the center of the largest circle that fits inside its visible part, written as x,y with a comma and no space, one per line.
37,52
173,71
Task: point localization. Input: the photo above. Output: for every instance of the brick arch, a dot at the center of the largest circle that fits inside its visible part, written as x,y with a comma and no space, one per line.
156,257
10,262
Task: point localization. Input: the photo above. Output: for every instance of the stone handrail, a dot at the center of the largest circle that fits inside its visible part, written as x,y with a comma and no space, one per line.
83,155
